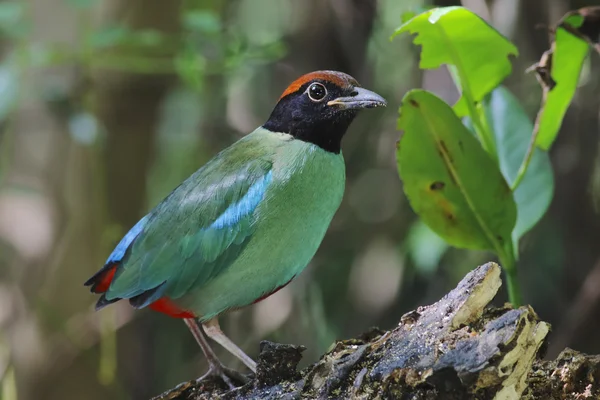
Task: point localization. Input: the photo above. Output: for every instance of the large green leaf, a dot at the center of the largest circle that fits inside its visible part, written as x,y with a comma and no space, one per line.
512,130
451,182
565,61
458,37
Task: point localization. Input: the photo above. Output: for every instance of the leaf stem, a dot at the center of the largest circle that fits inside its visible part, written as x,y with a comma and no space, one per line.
525,164
462,83
512,281
483,134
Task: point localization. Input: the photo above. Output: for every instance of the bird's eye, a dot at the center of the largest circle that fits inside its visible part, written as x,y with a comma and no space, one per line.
317,92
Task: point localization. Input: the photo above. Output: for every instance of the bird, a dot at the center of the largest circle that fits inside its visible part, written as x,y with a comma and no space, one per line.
246,223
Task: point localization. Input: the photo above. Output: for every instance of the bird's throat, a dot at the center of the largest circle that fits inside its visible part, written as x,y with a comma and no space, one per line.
327,134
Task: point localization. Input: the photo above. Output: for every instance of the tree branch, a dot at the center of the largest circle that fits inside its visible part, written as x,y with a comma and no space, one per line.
457,348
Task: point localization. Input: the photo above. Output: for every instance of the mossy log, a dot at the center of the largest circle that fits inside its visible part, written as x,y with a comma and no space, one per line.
457,348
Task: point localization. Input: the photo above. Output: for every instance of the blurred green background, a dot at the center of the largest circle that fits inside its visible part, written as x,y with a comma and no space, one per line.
107,105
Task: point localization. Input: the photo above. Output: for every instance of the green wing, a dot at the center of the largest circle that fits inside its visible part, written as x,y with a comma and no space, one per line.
196,232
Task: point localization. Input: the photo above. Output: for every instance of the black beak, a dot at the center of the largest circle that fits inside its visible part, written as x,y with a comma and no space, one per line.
361,98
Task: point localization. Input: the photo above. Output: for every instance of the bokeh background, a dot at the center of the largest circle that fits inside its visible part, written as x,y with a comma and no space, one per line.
106,105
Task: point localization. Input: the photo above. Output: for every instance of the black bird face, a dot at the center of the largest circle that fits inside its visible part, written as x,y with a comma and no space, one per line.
319,107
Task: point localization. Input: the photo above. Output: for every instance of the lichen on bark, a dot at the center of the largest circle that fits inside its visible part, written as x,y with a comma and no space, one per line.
456,348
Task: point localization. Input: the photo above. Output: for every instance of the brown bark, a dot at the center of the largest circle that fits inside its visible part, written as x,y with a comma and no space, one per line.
457,348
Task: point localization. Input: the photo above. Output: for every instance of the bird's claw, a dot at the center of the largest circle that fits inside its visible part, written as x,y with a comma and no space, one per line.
228,376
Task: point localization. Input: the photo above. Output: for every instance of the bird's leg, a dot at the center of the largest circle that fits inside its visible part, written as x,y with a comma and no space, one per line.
213,330
215,367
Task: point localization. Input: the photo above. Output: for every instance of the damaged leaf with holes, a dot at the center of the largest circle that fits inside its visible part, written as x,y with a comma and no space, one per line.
450,181
559,68
477,54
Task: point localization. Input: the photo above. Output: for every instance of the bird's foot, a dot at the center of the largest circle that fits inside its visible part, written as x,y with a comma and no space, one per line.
227,375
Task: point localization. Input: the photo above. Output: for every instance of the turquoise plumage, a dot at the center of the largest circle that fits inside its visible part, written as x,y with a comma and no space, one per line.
224,224
246,223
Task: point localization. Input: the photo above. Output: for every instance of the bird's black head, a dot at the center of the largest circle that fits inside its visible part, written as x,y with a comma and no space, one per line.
318,108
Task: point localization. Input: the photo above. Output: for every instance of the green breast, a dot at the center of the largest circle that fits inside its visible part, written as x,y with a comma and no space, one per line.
291,221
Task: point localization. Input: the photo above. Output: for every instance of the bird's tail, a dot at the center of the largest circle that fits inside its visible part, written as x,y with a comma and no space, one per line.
100,283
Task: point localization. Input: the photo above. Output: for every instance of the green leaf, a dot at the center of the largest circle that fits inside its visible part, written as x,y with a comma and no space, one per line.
512,131
407,15
457,37
568,55
450,181
575,20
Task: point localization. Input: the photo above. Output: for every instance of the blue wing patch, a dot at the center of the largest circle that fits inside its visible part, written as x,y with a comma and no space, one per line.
119,251
235,212
171,266
219,243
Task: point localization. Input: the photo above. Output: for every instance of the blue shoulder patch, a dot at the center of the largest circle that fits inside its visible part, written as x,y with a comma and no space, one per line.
119,251
245,205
